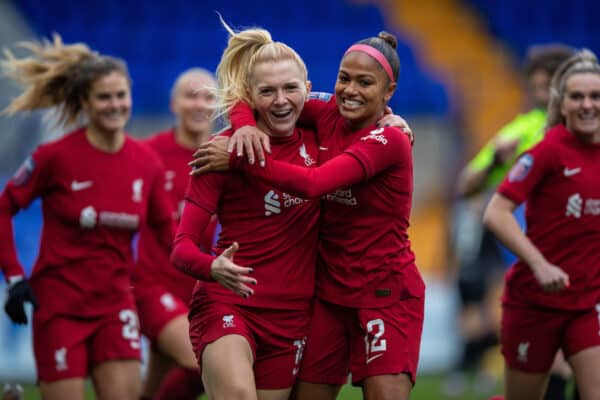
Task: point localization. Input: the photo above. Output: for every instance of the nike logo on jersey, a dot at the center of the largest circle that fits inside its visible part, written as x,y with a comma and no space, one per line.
376,356
323,148
571,171
77,186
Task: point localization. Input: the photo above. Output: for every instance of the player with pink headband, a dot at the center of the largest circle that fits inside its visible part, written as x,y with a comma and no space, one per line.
368,316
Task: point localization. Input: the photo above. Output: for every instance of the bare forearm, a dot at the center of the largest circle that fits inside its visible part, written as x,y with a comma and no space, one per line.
504,225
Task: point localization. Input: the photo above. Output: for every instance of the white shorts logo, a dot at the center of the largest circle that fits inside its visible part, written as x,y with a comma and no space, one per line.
228,321
522,351
60,356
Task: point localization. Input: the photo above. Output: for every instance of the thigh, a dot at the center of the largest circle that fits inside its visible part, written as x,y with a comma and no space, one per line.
227,371
586,368
210,321
117,380
326,356
60,348
521,385
116,338
71,388
530,338
386,342
174,341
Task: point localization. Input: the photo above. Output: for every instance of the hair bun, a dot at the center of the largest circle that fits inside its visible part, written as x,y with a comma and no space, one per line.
388,38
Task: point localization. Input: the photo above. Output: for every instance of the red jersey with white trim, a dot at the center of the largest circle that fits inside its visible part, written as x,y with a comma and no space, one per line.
365,259
560,181
93,202
276,232
153,261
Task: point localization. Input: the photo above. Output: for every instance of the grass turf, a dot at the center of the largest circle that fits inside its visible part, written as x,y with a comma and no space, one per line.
428,388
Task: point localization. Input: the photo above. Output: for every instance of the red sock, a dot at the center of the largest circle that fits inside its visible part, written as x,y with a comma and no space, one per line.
180,384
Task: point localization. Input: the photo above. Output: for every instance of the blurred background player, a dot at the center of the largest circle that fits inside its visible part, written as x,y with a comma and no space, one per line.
550,300
97,187
162,292
482,260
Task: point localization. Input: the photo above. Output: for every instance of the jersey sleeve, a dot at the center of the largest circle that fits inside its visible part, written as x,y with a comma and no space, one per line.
380,149
32,180
241,115
529,170
339,172
201,203
372,154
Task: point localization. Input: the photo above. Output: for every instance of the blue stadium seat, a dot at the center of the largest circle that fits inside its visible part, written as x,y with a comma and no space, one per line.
161,39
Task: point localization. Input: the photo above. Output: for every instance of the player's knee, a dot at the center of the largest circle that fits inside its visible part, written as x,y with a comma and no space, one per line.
235,390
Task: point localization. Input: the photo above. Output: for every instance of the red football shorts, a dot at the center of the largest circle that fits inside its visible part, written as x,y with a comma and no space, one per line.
364,342
156,308
276,337
530,337
70,347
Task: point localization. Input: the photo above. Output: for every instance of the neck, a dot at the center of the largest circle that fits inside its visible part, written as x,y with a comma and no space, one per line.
362,124
110,142
190,140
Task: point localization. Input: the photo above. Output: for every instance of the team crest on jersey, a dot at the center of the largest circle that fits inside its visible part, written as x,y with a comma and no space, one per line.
521,169
308,160
24,172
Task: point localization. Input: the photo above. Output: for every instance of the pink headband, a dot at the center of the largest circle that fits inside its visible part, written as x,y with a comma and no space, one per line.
376,54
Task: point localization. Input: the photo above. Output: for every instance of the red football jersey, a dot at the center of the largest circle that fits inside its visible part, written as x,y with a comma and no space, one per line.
365,259
276,232
153,260
559,179
93,202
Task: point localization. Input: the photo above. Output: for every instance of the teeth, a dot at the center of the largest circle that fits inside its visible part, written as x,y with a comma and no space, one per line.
281,114
352,103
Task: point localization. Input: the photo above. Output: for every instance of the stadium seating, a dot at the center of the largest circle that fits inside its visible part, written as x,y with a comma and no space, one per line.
161,39
522,23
